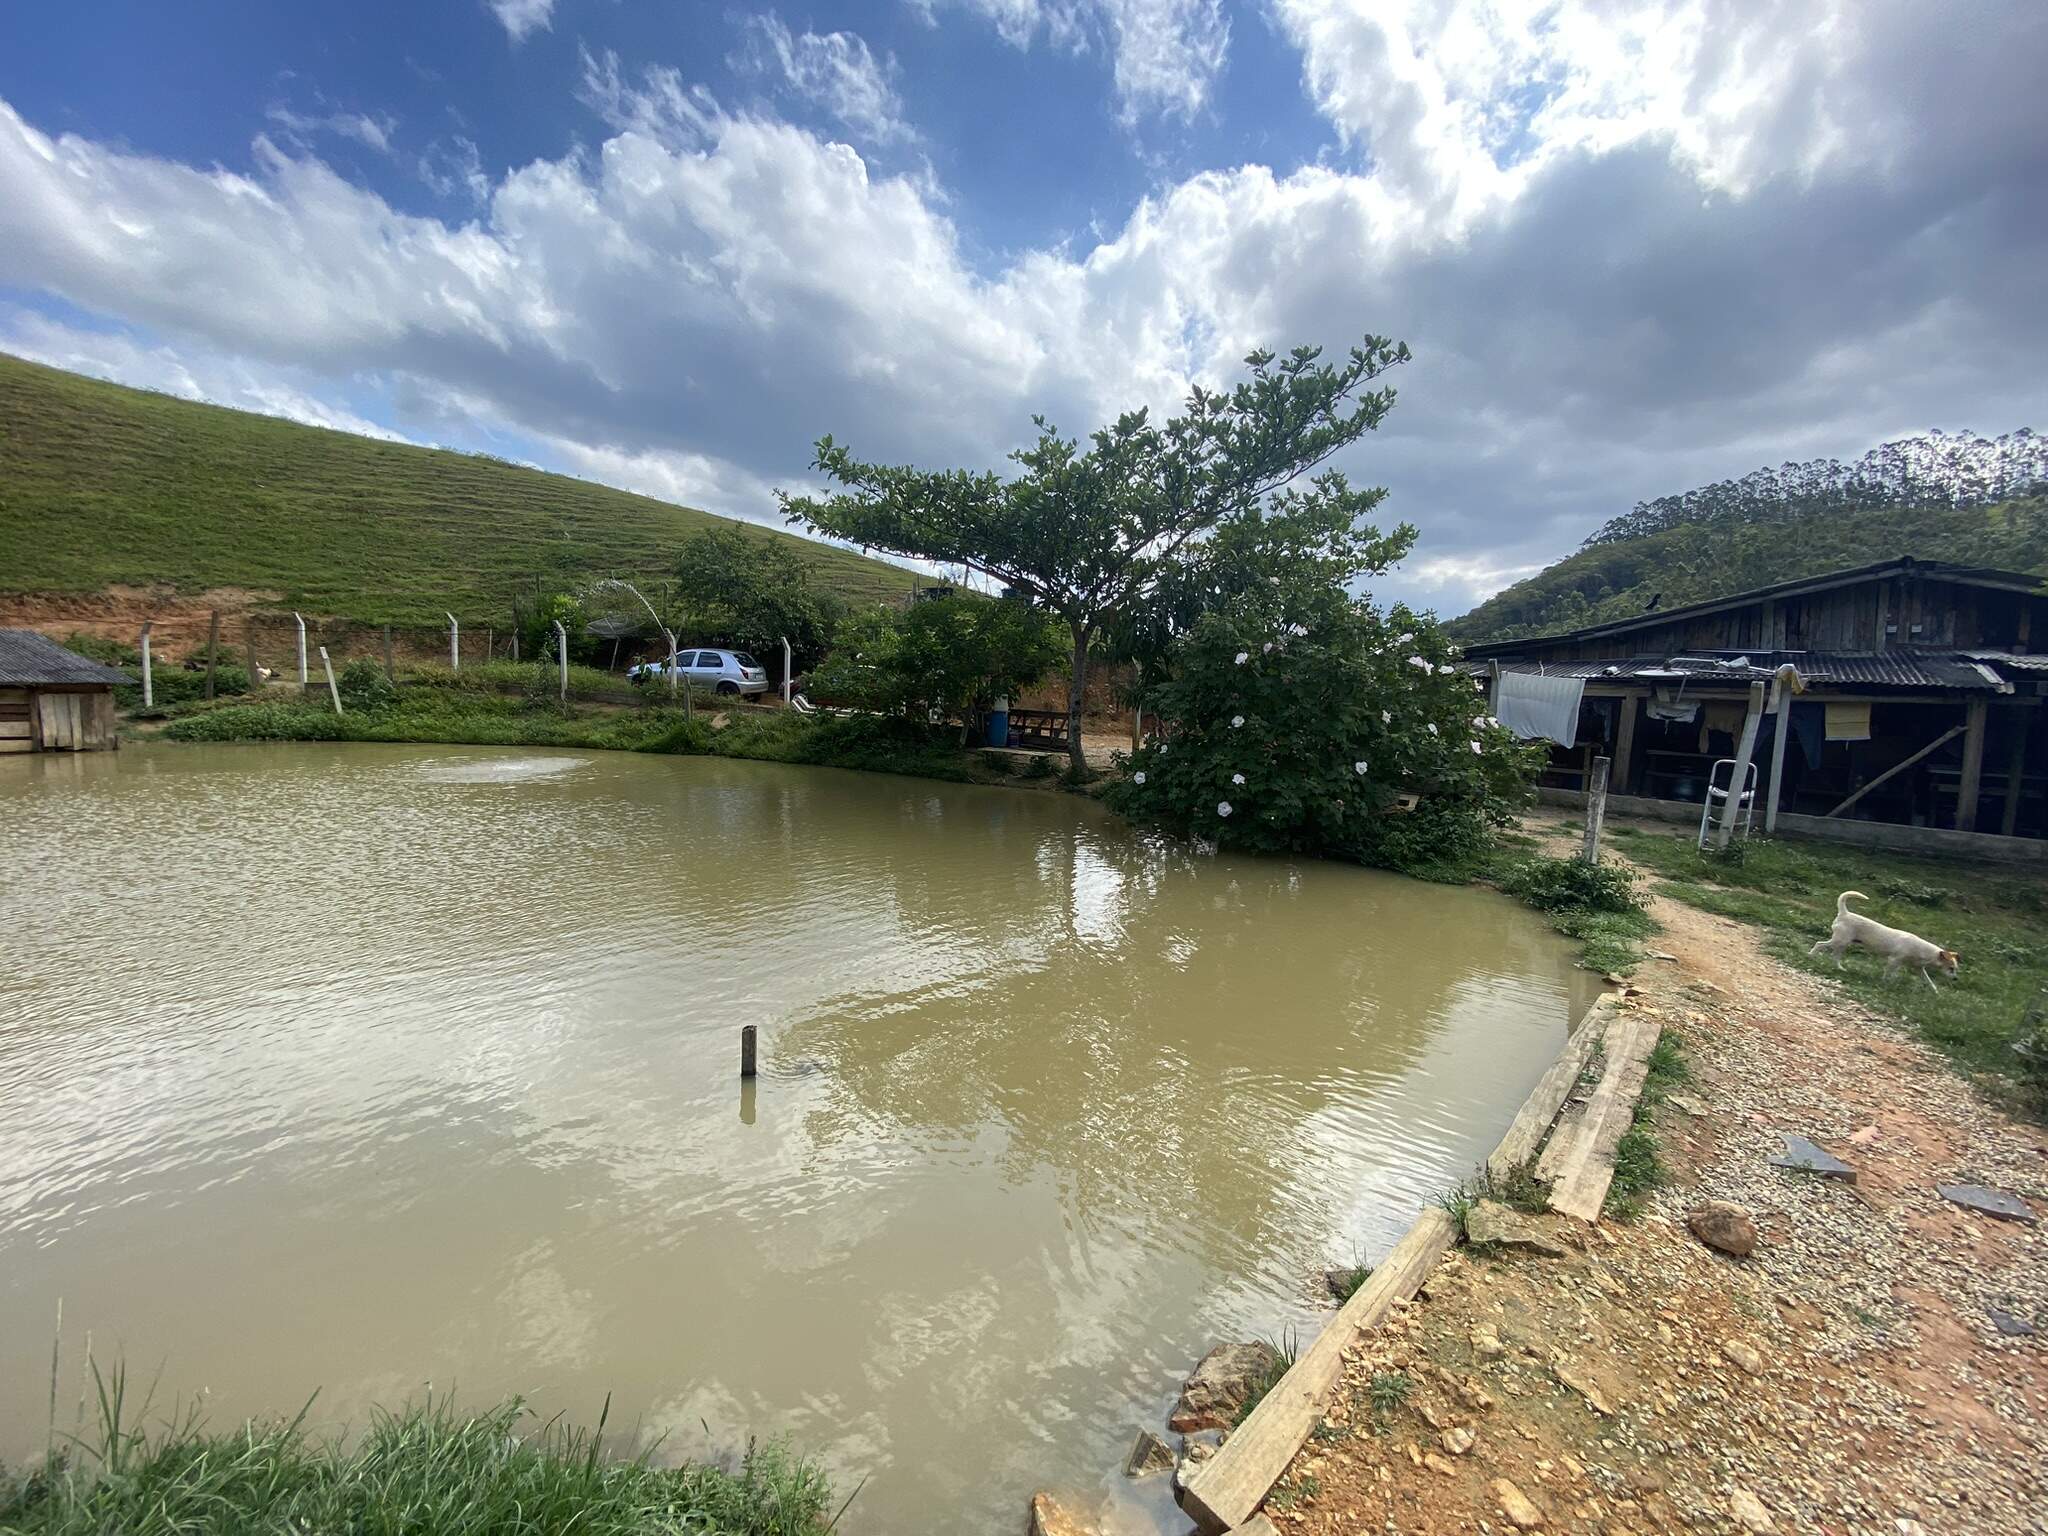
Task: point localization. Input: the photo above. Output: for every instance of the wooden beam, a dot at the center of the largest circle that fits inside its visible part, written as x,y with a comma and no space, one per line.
1231,1485
1596,807
1739,776
1625,743
1526,1131
1579,1162
1783,704
1973,765
1933,746
2015,770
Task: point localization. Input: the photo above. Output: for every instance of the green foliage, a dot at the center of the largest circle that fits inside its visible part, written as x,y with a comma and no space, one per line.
751,596
1296,721
1090,535
1637,1167
1344,1284
1558,885
1518,1187
108,485
533,620
363,685
424,1468
1387,1391
958,655
1286,1350
1994,917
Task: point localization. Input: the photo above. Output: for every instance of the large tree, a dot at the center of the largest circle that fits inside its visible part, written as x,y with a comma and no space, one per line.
1089,535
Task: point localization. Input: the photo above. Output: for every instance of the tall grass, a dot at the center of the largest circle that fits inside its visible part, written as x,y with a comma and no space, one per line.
424,1470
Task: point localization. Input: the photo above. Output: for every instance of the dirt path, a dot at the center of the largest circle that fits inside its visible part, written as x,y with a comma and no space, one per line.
1850,1377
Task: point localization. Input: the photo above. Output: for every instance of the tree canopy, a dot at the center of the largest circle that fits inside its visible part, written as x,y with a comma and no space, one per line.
1089,533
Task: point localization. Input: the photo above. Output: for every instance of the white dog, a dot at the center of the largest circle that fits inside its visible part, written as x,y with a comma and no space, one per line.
1896,945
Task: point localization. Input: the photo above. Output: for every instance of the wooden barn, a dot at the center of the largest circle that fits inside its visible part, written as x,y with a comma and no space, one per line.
1906,693
54,700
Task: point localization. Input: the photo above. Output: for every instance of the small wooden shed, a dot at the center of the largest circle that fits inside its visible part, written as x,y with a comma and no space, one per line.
54,700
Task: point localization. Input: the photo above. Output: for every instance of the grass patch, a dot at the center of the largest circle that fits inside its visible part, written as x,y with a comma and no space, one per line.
1344,1283
107,485
1387,1391
1637,1167
1285,1350
422,1469
1596,904
1994,916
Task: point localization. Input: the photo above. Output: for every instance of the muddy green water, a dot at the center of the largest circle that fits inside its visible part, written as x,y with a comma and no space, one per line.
375,1068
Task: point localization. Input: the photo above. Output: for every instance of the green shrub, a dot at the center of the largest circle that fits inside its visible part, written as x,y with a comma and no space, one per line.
1571,884
363,685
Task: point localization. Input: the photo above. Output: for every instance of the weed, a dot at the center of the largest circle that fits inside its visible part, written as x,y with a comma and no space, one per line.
1344,1283
1637,1167
1517,1187
1285,1349
1458,1202
1388,1390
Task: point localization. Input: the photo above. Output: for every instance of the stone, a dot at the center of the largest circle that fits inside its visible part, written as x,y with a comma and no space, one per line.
1486,1344
1490,1224
1686,1105
2012,1327
1436,1463
1565,1373
1222,1380
1458,1439
1989,1202
1723,1225
1049,1517
1802,1156
1750,1513
1744,1356
1258,1525
1864,1137
1149,1454
1516,1506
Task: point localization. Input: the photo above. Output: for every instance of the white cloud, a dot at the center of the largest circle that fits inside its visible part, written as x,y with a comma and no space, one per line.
834,72
1166,54
519,17
373,132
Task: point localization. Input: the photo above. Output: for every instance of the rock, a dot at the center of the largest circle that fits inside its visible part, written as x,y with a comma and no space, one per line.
1743,1356
1458,1439
1149,1454
1436,1463
1490,1224
1750,1513
1687,1106
1258,1525
1516,1506
1989,1202
1802,1156
1486,1344
1222,1380
1051,1518
1864,1137
1565,1373
2012,1327
1723,1225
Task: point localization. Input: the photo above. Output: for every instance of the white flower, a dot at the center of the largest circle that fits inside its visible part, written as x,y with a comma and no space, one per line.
1386,717
1417,661
1477,749
1237,778
1358,767
1243,657
1478,721
1222,807
1406,639
1432,727
1139,778
1236,721
1447,667
1299,631
1267,648
1162,749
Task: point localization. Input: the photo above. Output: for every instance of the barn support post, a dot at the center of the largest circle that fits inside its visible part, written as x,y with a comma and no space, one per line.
562,657
212,651
333,692
1625,744
1739,776
148,690
1786,684
1973,765
1596,808
2015,771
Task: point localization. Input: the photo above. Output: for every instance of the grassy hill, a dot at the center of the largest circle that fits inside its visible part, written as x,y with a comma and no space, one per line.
1694,562
102,485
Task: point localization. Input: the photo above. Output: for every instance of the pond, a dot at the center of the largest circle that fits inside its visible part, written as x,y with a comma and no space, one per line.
381,1069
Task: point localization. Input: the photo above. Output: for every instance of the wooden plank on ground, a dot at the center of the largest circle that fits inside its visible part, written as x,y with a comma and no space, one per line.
1579,1162
1525,1134
1232,1484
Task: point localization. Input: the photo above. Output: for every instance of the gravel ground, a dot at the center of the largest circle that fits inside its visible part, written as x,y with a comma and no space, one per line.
1847,1378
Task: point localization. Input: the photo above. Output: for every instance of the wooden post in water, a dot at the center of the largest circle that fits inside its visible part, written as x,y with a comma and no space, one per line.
747,1051
390,672
212,650
333,692
1596,808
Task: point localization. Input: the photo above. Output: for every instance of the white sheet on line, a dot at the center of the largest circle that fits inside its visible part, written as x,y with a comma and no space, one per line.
1533,706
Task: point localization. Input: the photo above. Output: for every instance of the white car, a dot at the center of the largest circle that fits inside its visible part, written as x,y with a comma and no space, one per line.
727,672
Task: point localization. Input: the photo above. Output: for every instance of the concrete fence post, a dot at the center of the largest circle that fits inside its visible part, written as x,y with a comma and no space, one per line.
148,689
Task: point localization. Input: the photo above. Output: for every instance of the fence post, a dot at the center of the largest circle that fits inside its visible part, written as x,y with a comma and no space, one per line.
390,672
786,663
148,692
249,641
302,650
747,1050
454,643
212,650
562,655
1596,808
333,692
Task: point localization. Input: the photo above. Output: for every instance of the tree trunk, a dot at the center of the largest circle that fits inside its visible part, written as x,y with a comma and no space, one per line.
1076,686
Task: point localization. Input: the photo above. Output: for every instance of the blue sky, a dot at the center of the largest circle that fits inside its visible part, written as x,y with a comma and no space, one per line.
1635,244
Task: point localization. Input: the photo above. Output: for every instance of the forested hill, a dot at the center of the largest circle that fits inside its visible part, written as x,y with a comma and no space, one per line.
1960,498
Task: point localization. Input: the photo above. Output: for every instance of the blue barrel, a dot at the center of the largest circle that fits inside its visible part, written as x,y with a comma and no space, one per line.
999,724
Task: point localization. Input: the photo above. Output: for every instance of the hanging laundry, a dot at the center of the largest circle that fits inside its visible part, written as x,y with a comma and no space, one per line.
1536,707
1677,711
1848,722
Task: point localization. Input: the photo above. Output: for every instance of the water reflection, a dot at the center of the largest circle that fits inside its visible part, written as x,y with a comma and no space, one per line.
366,1067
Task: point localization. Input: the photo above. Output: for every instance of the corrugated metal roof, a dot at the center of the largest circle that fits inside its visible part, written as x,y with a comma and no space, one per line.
27,658
1902,668
2006,661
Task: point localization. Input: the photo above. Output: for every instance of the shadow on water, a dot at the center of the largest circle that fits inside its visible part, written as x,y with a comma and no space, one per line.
368,1067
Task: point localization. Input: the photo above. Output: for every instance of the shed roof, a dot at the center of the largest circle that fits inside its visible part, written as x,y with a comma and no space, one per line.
1902,668
37,661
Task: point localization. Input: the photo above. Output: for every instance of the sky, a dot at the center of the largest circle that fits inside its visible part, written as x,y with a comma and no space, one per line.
1634,245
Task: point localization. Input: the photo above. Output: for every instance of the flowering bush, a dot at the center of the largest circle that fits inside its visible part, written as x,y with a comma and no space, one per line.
1293,724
